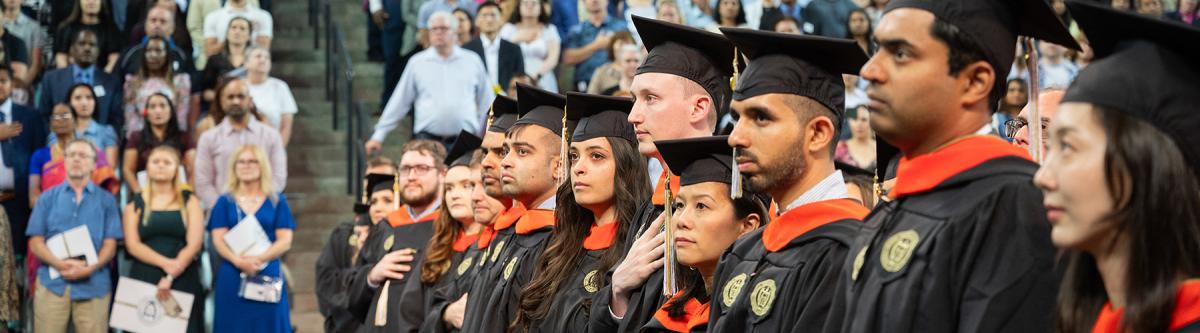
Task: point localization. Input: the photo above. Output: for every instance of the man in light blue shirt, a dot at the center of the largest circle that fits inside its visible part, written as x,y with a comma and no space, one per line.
80,295
446,86
587,44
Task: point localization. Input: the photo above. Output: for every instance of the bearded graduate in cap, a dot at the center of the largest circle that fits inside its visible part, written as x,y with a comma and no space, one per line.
335,266
680,91
964,245
531,171
464,308
1120,179
789,107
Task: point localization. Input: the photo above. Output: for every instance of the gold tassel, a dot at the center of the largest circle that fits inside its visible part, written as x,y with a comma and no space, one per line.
396,193
491,117
381,306
735,182
562,153
733,79
669,267
365,199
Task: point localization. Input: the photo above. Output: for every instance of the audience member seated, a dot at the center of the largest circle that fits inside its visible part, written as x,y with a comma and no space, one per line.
29,31
82,99
22,131
94,16
159,23
83,70
79,295
272,97
160,129
540,43
196,11
164,232
609,74
231,55
250,198
217,22
216,147
48,167
156,75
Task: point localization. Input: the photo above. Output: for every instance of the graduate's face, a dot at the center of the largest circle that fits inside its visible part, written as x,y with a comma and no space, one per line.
772,140
660,102
911,91
493,148
593,170
486,208
420,178
532,151
1073,180
458,186
705,224
382,204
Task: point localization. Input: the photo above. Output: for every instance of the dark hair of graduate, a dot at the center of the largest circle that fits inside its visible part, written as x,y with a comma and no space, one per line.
439,252
1157,197
690,282
631,188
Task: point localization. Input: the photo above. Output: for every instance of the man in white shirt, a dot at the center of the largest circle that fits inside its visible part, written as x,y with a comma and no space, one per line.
217,22
501,58
446,85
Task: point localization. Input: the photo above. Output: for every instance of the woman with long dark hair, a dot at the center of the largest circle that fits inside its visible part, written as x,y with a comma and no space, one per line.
93,15
1121,179
608,181
861,30
530,28
155,76
729,14
160,128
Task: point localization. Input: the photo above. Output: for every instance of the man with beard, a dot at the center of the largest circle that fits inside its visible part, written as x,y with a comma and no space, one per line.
238,128
964,245
679,92
531,171
390,249
335,267
789,107
464,308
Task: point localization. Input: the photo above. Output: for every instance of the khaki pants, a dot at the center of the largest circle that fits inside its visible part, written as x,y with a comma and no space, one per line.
51,312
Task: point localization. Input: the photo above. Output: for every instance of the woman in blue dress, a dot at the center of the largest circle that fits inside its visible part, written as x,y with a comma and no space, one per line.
250,190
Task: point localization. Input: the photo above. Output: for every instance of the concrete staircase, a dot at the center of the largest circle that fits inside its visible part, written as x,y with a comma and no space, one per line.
317,167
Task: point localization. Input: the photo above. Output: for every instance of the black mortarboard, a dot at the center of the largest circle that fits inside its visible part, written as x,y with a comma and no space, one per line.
850,170
1145,68
461,152
698,160
503,114
995,24
701,56
375,182
599,116
809,66
540,107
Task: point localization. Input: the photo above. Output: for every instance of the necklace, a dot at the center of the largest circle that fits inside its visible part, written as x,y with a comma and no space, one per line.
245,200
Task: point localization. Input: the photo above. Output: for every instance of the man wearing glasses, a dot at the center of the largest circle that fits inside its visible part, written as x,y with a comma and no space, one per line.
216,146
1047,106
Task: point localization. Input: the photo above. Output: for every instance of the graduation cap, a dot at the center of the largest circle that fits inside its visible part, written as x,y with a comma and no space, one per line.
502,114
460,153
698,160
599,116
373,182
1145,68
704,57
809,66
995,24
539,107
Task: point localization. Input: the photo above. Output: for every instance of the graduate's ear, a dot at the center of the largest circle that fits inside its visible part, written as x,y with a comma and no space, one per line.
702,107
820,133
975,82
749,223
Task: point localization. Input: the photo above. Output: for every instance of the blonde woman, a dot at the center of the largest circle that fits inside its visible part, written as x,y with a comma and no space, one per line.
164,231
250,199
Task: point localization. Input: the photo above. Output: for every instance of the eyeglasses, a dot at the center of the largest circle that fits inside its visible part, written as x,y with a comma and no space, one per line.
64,116
418,170
247,162
80,155
1016,124
439,29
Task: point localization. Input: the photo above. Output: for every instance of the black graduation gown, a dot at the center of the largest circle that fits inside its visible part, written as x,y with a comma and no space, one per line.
971,253
696,319
414,236
335,272
766,285
570,307
440,297
525,248
486,279
418,295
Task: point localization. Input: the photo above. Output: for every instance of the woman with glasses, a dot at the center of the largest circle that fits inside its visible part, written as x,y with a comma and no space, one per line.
47,166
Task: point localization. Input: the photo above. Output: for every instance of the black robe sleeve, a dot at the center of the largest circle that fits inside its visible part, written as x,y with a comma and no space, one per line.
410,236
334,276
360,293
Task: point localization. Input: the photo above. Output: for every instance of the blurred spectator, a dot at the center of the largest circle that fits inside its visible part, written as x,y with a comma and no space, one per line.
860,28
729,14
875,10
10,294
156,75
501,57
859,150
94,16
80,296
629,57
792,8
587,43
14,56
1060,9
828,17
1151,8
609,74
531,29
1186,13
82,98
1015,98
160,23
219,20
272,97
1121,4
446,85
196,11
399,21
788,25
83,70
1047,106
22,131
160,129
32,35
250,193
643,8
856,94
164,233
518,78
466,26
48,167
232,55
1054,70
667,10
433,6
217,147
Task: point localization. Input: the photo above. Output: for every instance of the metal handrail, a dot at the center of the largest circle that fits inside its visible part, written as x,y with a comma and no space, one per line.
339,90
